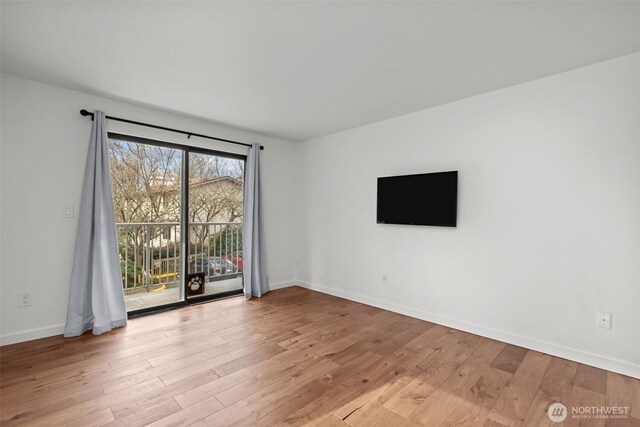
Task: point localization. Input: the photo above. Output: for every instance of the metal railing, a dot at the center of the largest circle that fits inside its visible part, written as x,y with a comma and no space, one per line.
150,252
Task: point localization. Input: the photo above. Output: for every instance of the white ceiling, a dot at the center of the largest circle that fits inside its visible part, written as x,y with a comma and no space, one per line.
299,70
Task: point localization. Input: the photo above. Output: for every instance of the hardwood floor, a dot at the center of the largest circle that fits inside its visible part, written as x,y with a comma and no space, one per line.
295,357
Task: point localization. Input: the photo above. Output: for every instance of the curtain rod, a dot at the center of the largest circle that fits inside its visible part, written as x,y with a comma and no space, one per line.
84,112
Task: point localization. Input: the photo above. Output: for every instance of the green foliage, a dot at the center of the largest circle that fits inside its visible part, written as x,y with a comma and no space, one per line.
132,271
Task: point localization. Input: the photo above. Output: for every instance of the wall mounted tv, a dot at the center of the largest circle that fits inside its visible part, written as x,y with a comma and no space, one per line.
424,199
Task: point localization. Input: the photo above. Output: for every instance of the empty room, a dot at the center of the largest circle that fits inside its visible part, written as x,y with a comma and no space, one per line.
330,213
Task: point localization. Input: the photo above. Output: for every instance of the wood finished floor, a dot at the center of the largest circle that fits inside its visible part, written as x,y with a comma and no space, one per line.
294,357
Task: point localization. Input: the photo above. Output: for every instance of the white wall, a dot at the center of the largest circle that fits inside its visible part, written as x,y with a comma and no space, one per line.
43,148
549,215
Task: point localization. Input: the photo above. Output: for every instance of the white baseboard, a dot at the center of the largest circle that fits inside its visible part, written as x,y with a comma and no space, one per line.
32,334
603,362
280,285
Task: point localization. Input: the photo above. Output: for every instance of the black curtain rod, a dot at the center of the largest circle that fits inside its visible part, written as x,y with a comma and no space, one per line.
189,134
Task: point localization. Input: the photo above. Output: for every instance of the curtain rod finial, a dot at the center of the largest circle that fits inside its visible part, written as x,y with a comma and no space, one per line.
84,112
262,147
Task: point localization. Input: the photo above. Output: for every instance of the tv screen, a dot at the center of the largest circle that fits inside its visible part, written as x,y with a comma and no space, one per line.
424,199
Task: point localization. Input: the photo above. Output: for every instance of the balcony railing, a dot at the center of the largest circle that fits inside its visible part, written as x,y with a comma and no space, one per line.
150,252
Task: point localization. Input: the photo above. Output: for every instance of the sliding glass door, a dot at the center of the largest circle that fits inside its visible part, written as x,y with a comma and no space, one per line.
215,223
179,222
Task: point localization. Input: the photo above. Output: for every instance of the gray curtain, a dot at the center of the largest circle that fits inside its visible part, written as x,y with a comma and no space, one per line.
254,264
96,300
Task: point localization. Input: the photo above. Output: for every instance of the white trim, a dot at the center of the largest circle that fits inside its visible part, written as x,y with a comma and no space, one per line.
32,334
280,285
603,362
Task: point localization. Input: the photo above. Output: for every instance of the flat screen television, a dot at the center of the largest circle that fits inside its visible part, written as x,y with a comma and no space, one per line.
424,199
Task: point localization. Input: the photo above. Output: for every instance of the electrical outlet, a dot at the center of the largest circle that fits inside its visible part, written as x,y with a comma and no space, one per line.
68,211
24,299
604,320
385,279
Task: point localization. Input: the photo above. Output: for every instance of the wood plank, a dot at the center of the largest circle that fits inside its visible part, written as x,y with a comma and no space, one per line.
250,359
584,397
332,421
468,394
623,391
510,358
556,386
68,415
427,338
188,416
17,413
147,415
375,380
369,402
515,400
259,382
273,413
144,400
382,417
591,378
450,352
315,412
94,419
253,405
212,388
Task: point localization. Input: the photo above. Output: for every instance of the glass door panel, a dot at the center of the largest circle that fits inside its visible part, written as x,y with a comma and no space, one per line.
214,224
147,194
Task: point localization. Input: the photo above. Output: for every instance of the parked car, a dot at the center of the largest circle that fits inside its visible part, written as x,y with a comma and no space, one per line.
236,259
211,266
